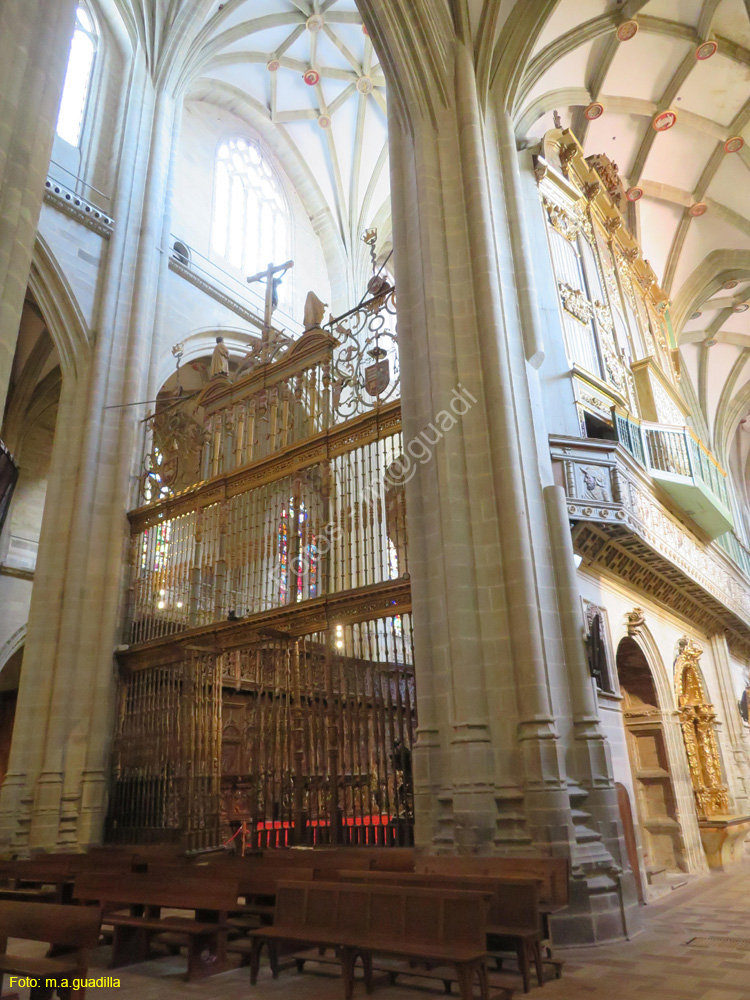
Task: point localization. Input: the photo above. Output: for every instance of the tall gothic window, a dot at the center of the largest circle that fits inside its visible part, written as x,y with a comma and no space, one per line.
77,79
251,220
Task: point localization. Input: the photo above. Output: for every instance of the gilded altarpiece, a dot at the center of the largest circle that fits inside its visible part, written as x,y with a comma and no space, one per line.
698,722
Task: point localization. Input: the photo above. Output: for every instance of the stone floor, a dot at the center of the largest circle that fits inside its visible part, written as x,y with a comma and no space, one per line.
660,964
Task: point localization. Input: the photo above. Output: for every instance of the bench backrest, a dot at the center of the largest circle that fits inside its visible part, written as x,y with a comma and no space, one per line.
384,913
71,926
552,873
174,888
374,858
41,868
252,880
515,902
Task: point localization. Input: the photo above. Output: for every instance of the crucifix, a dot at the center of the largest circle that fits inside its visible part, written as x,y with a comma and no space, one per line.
272,291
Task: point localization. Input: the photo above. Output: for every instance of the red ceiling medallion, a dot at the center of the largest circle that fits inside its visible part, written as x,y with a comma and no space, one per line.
664,120
272,65
594,111
324,121
698,209
734,145
706,50
364,30
730,284
312,77
634,194
627,31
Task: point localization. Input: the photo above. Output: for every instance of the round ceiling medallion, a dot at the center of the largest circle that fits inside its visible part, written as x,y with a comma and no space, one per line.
312,77
709,343
594,111
315,22
706,50
634,193
664,120
697,314
627,31
365,85
742,307
734,145
730,284
272,65
324,121
698,209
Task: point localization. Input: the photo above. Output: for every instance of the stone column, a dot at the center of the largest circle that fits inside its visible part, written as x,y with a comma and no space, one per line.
34,44
496,758
55,795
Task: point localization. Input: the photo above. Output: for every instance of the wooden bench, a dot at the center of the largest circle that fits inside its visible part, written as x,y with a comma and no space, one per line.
439,927
143,897
42,878
71,932
256,885
553,874
324,858
513,918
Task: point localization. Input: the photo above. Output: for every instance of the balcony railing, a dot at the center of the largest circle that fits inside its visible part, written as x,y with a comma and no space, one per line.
683,467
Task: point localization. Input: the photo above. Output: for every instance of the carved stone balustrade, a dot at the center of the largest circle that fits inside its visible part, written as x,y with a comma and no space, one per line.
625,523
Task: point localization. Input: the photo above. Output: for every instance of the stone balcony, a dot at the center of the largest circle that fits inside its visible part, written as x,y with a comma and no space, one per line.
625,521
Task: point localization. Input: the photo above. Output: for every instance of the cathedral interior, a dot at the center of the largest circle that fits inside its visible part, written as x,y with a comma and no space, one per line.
375,497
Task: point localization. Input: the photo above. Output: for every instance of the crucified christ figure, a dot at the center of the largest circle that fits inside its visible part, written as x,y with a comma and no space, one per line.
272,277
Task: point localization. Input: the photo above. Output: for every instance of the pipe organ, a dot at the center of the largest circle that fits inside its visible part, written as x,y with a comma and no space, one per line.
268,679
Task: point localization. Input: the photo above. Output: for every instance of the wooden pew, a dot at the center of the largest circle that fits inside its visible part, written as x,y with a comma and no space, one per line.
513,918
553,873
441,927
256,884
373,858
143,895
70,928
41,878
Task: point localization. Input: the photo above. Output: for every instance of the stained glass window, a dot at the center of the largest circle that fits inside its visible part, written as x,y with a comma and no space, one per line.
155,548
154,487
77,79
392,561
251,219
298,575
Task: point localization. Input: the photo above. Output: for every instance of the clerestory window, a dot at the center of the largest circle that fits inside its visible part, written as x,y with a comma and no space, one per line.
250,218
77,79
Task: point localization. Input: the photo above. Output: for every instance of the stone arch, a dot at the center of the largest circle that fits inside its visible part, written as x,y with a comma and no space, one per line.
231,99
11,646
200,344
62,314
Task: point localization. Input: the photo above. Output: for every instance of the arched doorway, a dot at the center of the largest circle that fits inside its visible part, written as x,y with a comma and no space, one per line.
660,832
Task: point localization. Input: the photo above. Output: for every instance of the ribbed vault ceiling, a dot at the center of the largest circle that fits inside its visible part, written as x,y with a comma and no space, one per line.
308,68
704,261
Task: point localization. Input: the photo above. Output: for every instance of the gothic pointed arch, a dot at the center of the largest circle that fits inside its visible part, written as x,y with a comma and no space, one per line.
62,314
698,721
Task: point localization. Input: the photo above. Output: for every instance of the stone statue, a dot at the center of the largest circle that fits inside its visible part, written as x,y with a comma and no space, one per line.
314,312
220,359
